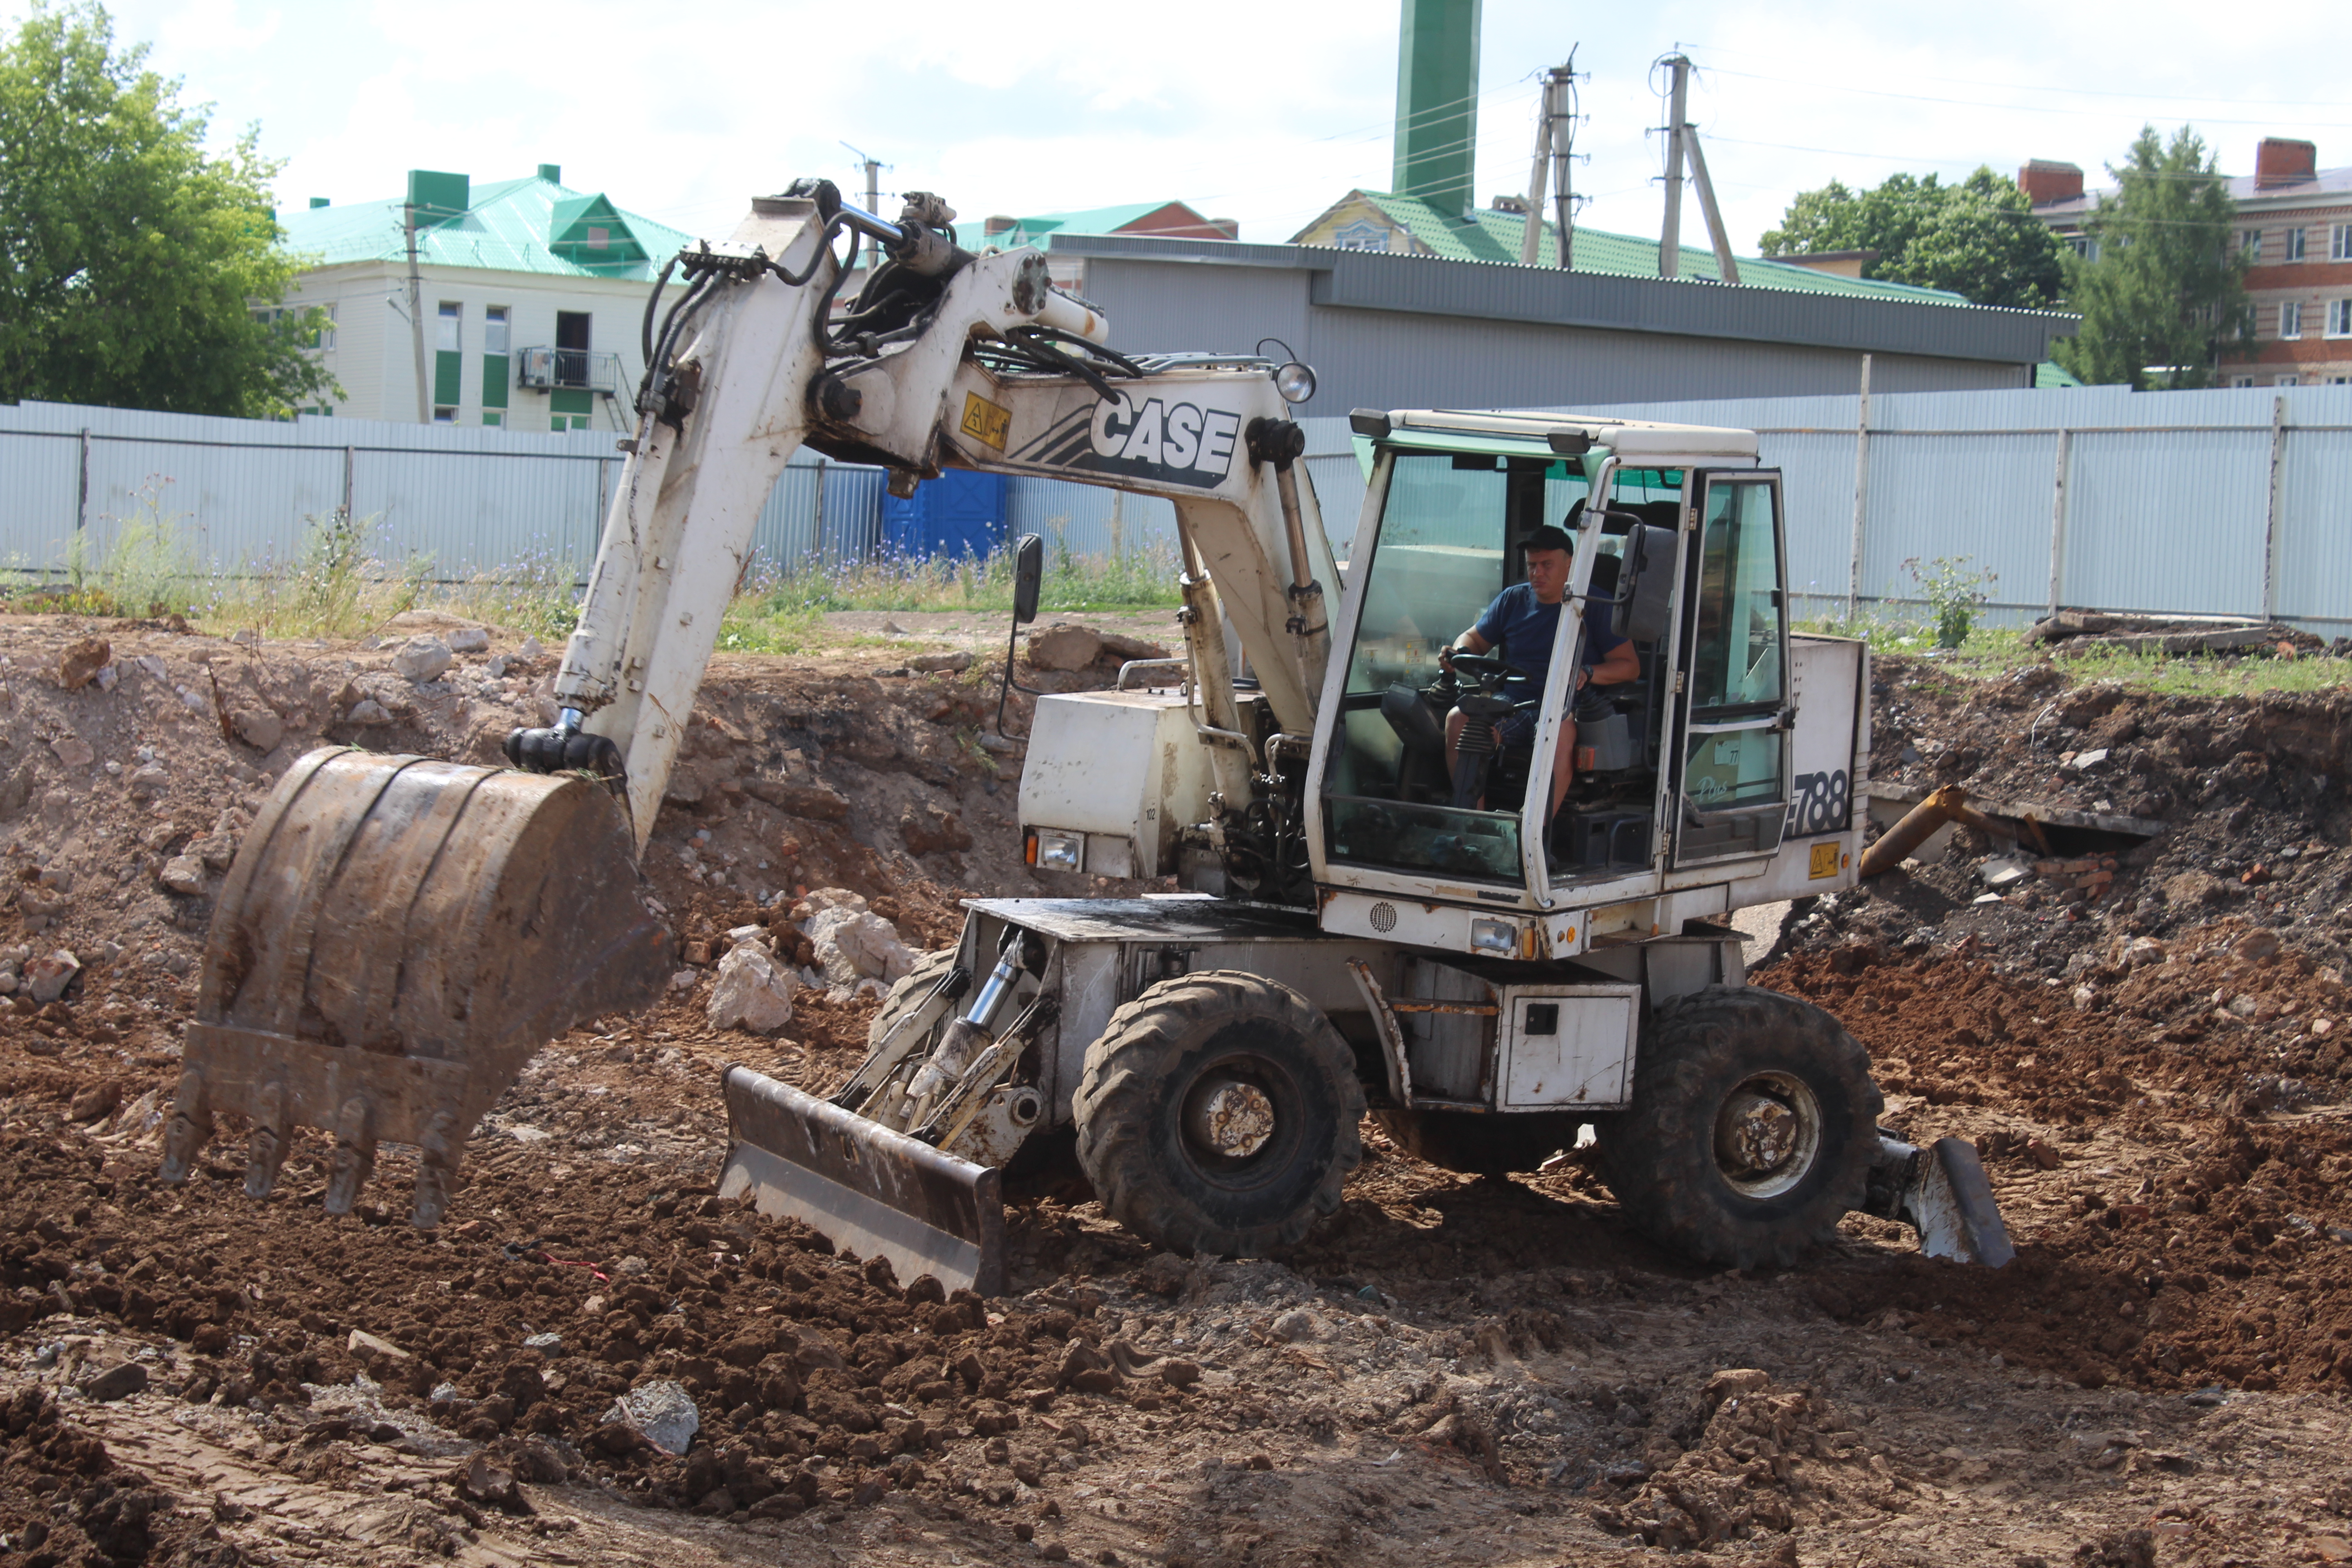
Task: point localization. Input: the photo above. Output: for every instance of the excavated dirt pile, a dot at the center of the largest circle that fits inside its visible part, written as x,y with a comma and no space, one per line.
596,1360
2234,806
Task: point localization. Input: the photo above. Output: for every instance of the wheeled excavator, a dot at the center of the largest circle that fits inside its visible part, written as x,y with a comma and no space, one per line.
1495,981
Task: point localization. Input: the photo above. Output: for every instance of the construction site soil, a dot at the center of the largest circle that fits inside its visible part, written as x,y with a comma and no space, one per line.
1448,1369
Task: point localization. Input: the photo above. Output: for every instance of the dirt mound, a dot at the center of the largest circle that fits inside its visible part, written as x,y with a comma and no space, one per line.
64,1500
2248,789
1761,1461
2192,1240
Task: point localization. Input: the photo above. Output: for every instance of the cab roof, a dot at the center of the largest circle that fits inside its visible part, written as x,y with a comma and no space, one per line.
1644,439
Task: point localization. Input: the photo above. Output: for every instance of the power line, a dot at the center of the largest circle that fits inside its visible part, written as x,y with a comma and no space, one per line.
1818,85
2077,91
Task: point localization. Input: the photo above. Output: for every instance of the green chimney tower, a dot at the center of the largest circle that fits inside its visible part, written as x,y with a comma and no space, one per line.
1437,104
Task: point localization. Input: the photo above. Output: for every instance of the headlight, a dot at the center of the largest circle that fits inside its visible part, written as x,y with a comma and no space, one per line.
1062,851
1295,381
1494,936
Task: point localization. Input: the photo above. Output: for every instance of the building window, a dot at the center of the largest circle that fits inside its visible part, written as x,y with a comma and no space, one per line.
2288,381
495,364
494,330
1361,234
2084,246
444,415
2243,381
2290,319
2339,381
2249,244
453,321
323,333
2339,242
2295,244
2339,318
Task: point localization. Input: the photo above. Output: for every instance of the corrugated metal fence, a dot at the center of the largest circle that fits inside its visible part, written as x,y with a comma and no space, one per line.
241,493
2235,502
2231,502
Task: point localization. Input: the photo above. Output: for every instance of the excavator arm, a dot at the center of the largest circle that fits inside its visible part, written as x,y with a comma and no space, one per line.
399,935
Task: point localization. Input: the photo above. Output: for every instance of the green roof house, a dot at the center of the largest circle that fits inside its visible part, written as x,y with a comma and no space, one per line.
530,296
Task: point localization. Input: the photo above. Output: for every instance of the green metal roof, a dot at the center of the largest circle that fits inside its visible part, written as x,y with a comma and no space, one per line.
1494,235
2050,372
1092,220
512,226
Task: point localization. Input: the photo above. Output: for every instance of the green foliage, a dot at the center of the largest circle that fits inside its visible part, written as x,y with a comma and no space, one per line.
1977,238
2166,296
135,269
1954,594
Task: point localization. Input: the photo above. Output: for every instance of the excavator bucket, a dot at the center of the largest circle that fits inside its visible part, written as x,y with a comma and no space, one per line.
396,938
873,1190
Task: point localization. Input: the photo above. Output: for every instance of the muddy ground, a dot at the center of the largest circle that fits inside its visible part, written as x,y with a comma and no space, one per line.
1449,1369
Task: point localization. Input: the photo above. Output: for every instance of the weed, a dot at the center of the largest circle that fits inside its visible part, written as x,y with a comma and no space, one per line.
1954,593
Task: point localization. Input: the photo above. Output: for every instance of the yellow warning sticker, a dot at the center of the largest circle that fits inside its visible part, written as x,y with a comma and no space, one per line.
985,421
1823,859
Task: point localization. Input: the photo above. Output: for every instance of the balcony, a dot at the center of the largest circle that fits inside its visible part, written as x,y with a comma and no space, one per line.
581,370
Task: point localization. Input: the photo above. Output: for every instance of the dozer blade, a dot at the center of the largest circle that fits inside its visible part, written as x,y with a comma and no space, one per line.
868,1188
1942,1193
396,938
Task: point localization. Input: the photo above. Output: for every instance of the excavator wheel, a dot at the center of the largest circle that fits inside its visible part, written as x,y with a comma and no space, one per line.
396,938
1479,1145
1753,1126
1219,1114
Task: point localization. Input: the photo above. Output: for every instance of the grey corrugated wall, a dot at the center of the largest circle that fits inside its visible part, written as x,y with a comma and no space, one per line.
2230,503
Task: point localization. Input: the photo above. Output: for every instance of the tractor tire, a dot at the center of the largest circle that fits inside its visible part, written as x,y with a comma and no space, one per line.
1219,1114
909,994
1478,1144
1753,1123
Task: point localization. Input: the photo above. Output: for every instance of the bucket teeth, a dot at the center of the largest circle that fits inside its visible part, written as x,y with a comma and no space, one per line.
395,940
355,1155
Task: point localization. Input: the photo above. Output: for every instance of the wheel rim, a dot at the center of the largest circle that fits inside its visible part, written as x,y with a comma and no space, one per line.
1767,1135
1237,1119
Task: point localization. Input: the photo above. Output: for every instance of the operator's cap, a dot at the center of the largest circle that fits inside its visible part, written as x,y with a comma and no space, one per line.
1548,538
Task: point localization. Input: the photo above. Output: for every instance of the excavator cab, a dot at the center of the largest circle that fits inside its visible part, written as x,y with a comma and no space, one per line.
1454,510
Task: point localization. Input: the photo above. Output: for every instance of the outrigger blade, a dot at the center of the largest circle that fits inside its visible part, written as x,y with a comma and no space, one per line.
396,938
1942,1193
870,1189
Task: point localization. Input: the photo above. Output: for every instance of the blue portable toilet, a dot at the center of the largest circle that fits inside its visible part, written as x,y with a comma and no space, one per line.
960,513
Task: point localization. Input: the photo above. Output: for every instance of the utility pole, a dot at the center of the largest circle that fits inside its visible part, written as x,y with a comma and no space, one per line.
873,199
1555,129
416,311
1563,138
1682,141
1531,229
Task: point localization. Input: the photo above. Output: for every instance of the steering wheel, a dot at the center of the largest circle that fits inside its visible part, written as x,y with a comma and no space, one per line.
1487,669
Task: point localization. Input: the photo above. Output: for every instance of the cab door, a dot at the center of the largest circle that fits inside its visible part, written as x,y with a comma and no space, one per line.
1730,780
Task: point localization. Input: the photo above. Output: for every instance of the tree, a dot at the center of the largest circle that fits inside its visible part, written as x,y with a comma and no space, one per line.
2162,288
135,271
1977,238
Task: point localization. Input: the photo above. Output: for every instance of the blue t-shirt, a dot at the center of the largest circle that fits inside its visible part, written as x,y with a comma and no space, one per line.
1520,630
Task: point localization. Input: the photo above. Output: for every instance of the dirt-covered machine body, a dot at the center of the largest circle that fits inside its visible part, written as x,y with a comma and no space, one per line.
1491,914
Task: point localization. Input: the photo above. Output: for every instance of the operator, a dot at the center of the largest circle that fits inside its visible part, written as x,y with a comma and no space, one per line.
1522,623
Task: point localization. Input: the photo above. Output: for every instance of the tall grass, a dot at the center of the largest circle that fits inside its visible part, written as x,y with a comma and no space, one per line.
785,613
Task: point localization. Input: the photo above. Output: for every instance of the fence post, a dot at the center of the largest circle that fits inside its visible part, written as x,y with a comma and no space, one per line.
350,460
2271,508
81,500
2058,520
1861,492
816,533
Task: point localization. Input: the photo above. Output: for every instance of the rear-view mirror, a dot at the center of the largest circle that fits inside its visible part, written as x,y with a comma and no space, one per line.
1028,577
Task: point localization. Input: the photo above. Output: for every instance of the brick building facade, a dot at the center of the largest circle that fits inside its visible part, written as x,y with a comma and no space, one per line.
2294,228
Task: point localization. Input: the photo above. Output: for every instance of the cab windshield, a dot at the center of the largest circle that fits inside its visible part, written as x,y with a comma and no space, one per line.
1448,544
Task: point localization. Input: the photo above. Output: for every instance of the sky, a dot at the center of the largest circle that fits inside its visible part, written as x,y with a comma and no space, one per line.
1265,112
